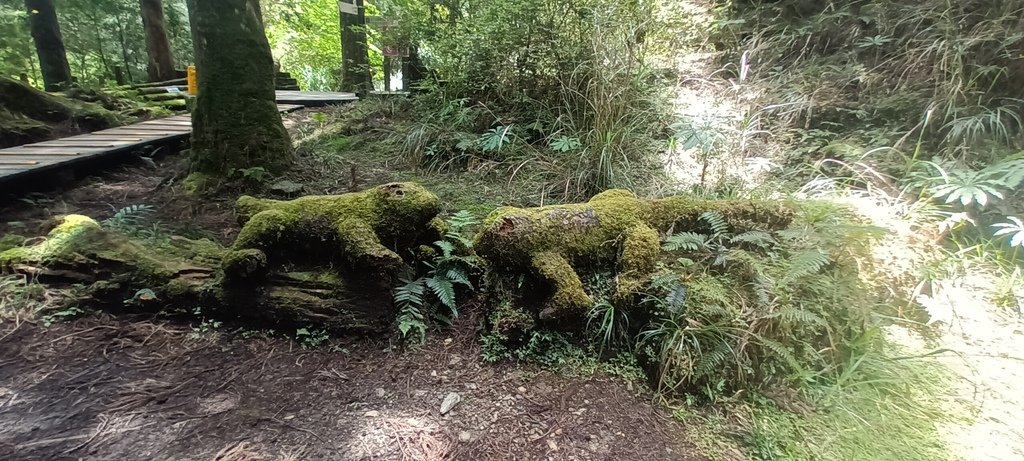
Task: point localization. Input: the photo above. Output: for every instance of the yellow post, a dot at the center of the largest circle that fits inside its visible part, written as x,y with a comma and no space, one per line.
192,86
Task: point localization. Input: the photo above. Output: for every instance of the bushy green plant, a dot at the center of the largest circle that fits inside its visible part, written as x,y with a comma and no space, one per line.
737,311
452,266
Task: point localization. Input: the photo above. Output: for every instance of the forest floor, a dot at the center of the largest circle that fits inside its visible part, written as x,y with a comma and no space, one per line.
150,387
102,386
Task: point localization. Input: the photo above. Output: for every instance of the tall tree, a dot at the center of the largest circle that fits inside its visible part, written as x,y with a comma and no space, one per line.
355,64
235,123
161,60
53,59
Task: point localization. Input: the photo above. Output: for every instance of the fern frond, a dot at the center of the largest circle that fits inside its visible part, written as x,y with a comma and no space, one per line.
462,219
716,221
676,298
444,290
446,247
807,262
686,241
760,239
458,276
129,215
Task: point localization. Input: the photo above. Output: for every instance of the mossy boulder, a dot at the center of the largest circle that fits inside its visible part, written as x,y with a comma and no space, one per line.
368,230
614,231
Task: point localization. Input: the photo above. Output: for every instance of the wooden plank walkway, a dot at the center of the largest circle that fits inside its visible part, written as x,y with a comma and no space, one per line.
20,161
314,98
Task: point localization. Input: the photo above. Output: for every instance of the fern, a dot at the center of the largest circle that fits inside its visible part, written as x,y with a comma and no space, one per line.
408,298
686,241
717,223
759,239
129,217
444,290
805,263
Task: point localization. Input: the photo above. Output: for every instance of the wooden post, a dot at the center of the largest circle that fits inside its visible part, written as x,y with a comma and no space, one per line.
387,73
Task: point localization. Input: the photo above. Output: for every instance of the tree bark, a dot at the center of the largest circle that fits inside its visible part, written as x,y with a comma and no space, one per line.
161,59
355,64
235,124
412,69
53,60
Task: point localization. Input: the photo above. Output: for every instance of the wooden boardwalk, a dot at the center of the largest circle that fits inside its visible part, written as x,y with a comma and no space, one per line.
314,98
21,161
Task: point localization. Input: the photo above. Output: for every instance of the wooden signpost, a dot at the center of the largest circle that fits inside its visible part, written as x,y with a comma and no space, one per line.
347,7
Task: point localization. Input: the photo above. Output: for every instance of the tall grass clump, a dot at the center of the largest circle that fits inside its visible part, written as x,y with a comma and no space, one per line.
557,93
922,93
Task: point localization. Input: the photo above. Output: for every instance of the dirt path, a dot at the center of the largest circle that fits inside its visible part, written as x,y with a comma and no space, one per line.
112,388
982,346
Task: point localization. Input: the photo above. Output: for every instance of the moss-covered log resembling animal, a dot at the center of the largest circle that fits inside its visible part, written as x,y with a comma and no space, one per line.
369,230
615,230
122,272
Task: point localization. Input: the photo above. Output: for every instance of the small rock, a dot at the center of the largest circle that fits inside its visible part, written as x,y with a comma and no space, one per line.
448,340
286,187
380,392
465,436
372,414
471,386
521,389
552,445
454,360
449,402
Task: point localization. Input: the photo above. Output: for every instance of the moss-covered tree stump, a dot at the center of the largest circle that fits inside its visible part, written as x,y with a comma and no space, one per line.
615,232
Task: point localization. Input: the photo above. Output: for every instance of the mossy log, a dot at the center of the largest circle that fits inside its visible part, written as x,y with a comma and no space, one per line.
615,231
369,229
122,272
26,113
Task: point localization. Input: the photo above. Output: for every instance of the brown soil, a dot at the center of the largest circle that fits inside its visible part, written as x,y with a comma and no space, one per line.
126,387
117,388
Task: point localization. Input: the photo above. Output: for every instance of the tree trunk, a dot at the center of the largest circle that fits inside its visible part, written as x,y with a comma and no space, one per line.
355,64
161,60
124,52
53,60
235,123
412,69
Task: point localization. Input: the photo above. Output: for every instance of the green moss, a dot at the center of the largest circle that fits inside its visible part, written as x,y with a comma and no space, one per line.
244,263
59,243
614,230
19,98
199,183
568,298
10,241
510,321
367,228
